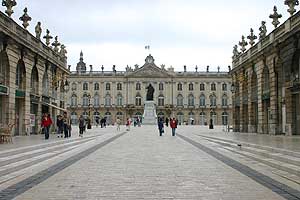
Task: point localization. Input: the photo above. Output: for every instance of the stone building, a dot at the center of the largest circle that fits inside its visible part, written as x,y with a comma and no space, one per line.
32,74
266,79
191,97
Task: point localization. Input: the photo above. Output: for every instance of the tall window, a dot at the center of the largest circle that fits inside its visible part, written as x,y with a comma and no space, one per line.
191,87
85,100
34,84
119,100
74,100
96,86
179,100
213,100
213,87
161,100
107,100
224,118
119,86
20,75
180,118
107,86
85,86
179,87
213,116
266,80
96,100
74,86
224,100
202,87
191,100
138,100
161,86
45,84
202,100
138,86
4,67
224,87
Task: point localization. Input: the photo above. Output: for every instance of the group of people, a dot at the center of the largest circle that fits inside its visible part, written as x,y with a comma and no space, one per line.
63,124
173,125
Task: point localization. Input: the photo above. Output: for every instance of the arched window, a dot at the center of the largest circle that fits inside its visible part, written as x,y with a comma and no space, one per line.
180,118
202,100
138,100
74,118
108,118
179,100
85,115
96,100
85,100
119,100
202,87
96,86
138,86
224,100
213,116
161,100
85,86
107,100
74,86
119,86
179,87
74,100
21,76
192,118
191,99
161,86
34,84
4,68
107,86
213,100
45,84
203,119
191,87
224,118
266,80
213,87
224,87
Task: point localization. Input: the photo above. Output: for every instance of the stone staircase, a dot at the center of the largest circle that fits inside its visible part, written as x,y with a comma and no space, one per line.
281,159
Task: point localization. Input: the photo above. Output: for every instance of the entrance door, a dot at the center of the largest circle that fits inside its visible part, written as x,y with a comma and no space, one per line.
18,116
296,114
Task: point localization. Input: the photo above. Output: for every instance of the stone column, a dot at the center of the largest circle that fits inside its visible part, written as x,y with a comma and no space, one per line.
29,63
259,67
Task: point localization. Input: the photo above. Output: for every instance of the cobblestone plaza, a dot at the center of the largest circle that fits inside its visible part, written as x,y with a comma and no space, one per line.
138,164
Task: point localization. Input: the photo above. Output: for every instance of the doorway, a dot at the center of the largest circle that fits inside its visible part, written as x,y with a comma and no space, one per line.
296,114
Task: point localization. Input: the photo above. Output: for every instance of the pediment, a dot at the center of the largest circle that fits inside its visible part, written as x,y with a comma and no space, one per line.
150,70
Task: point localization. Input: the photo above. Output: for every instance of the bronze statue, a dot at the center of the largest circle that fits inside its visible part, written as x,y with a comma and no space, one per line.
150,92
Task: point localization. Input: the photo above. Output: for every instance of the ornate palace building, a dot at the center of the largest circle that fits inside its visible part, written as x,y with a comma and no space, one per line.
32,74
191,97
266,78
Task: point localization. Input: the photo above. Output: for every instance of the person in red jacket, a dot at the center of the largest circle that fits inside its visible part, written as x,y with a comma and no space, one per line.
46,123
173,125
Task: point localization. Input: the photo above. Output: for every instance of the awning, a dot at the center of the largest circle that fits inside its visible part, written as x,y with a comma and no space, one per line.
53,106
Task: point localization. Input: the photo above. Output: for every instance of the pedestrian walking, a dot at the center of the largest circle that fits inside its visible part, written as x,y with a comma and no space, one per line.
46,123
60,126
167,121
118,124
173,125
128,123
67,125
81,125
160,126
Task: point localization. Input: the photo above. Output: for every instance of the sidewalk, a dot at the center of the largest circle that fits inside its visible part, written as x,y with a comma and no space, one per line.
31,140
291,143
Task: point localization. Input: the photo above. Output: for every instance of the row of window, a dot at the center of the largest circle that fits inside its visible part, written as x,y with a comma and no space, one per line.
85,86
161,100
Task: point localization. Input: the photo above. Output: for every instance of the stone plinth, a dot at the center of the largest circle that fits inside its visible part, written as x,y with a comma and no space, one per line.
149,116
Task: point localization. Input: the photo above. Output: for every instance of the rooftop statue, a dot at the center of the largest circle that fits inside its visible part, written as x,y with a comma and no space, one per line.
38,30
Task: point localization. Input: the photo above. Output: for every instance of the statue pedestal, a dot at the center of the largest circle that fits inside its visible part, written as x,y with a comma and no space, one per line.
149,116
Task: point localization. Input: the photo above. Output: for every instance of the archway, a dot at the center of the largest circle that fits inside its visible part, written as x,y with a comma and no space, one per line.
4,89
254,103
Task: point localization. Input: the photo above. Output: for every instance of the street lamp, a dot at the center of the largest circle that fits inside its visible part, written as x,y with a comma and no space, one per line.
232,88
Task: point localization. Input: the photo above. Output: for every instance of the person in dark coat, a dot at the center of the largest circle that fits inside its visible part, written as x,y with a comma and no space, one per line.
160,126
167,122
81,125
60,126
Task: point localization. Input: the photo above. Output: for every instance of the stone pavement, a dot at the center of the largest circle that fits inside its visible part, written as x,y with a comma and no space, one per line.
141,165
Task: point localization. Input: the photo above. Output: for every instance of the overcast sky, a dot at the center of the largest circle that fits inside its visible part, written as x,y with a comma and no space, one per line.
179,32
